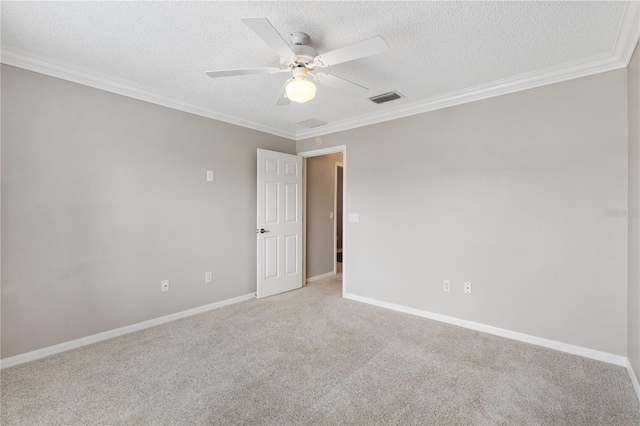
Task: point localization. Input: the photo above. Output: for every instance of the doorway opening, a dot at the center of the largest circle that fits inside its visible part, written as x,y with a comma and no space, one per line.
324,204
337,202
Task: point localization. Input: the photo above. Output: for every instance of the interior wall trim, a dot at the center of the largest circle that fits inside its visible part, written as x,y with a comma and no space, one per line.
321,276
74,74
521,337
618,58
634,379
95,338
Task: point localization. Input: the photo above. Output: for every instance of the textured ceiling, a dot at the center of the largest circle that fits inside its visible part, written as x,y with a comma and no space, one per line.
435,47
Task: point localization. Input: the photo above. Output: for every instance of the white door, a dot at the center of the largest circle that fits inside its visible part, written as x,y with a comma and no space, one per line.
279,230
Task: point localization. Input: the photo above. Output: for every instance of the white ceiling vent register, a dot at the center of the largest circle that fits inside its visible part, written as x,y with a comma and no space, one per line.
311,123
385,97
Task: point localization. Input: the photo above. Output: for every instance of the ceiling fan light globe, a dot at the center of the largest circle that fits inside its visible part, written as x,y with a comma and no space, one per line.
300,90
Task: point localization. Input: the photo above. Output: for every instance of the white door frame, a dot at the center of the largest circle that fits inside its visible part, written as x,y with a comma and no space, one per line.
335,213
317,153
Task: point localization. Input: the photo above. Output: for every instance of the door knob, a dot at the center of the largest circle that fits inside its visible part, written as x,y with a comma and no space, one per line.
262,230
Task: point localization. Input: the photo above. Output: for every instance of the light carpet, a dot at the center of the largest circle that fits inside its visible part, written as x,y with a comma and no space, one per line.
310,357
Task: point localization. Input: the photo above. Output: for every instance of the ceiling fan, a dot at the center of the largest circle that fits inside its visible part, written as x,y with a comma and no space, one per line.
303,61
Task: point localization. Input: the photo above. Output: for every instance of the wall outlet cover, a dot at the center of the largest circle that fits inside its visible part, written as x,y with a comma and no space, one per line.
164,285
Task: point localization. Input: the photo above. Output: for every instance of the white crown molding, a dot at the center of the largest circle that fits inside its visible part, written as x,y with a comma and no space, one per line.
521,337
626,40
95,338
619,57
628,32
571,71
46,66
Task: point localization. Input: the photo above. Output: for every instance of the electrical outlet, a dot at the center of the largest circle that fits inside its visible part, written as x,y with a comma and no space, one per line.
164,285
467,287
446,286
209,176
208,277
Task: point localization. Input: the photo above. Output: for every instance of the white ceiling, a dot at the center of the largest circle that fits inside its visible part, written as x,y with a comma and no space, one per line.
160,51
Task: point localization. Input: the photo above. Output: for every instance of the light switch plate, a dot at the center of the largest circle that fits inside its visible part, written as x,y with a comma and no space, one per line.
330,215
209,176
354,217
164,285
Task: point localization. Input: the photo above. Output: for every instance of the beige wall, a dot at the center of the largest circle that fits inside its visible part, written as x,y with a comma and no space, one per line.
103,196
509,193
320,187
633,332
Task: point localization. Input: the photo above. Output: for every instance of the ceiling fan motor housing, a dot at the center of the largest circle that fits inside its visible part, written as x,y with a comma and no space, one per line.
299,38
300,72
304,53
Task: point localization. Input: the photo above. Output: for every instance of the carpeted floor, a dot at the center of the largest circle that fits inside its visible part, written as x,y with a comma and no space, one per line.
310,357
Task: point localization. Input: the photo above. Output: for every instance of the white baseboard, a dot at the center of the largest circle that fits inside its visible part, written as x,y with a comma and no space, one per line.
552,344
73,344
634,379
319,277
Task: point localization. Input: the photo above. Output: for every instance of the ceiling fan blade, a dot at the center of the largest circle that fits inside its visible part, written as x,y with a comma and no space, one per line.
263,28
244,71
364,48
282,97
340,84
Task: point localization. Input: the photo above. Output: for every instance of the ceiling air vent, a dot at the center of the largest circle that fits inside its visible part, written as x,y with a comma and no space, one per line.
314,122
385,97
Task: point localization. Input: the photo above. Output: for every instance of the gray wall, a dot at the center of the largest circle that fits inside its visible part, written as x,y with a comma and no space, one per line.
103,196
633,331
320,187
509,193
